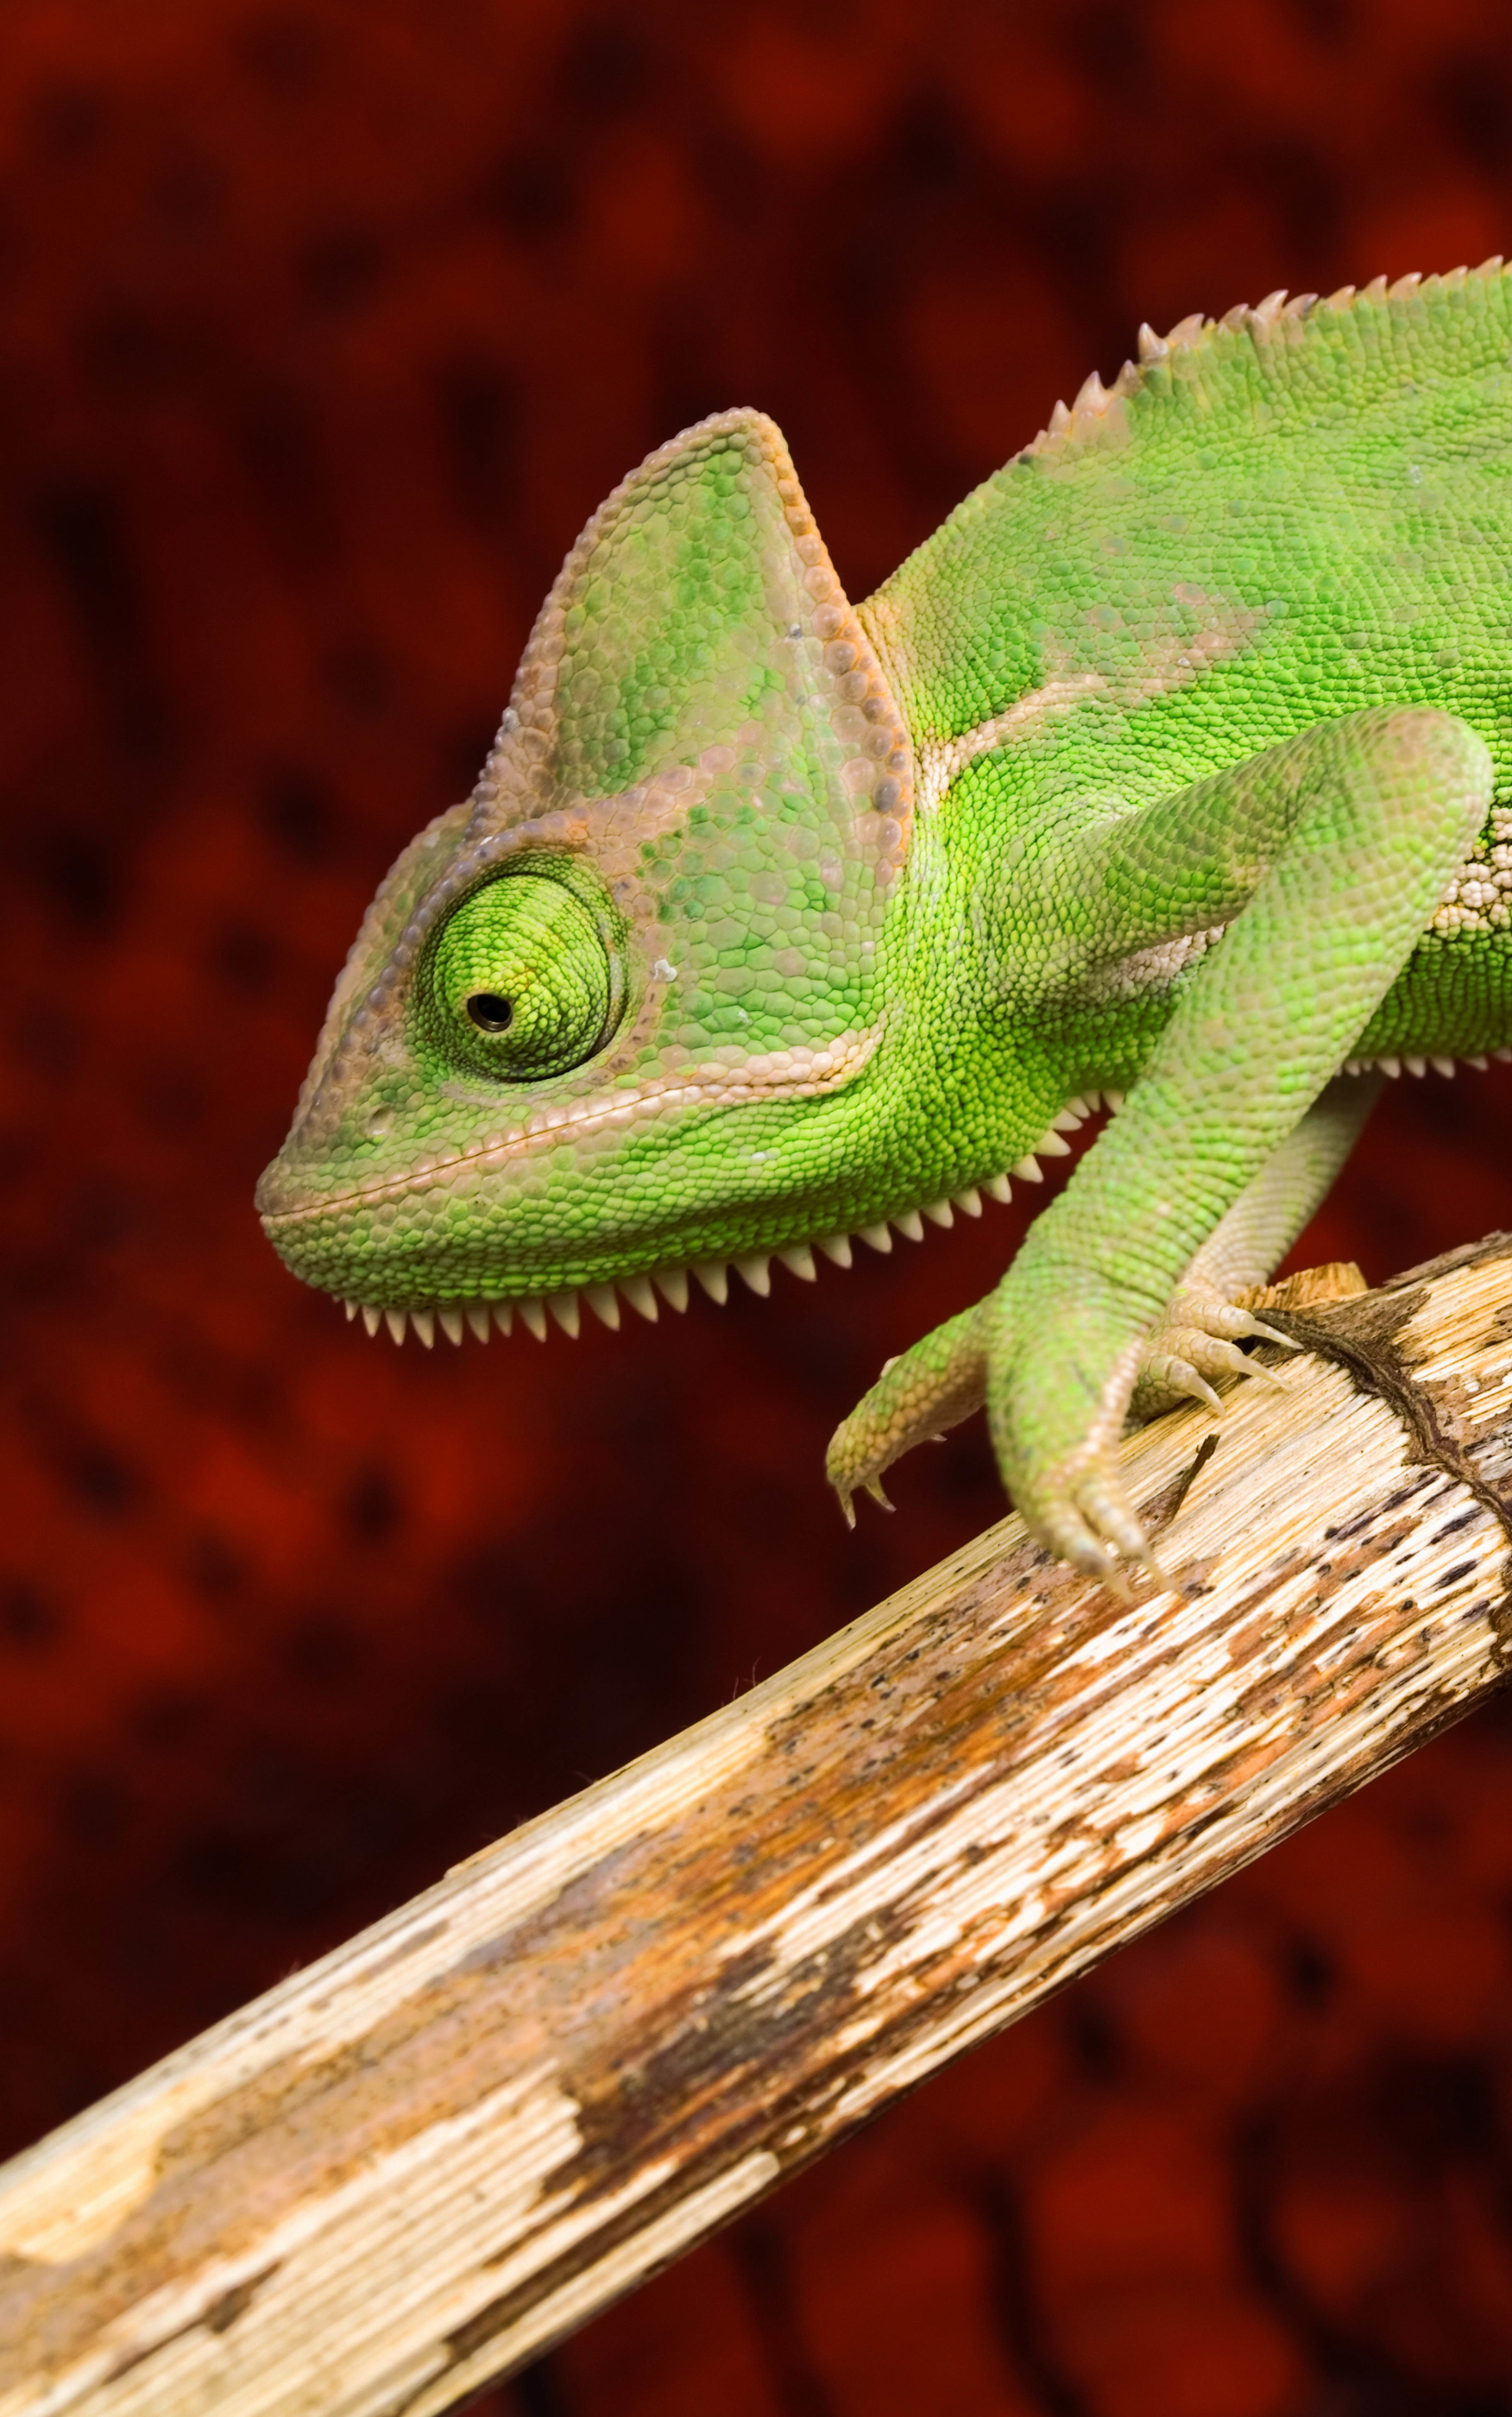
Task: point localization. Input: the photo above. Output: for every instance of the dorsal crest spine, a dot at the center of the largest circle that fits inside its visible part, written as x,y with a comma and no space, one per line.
1100,412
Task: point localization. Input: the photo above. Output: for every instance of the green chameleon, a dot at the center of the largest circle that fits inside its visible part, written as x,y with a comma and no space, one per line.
1173,772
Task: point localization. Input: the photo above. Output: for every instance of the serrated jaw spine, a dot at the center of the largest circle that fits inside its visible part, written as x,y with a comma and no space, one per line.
563,1308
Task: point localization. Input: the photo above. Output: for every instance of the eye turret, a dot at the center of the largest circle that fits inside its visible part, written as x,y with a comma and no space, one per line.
524,977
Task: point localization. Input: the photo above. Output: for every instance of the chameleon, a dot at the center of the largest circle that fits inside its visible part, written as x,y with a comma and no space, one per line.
1171,778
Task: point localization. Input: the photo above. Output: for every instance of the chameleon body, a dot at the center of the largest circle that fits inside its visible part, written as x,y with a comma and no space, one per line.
1175,767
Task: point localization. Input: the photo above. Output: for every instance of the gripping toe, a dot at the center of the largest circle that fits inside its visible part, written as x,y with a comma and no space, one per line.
1195,1346
940,1380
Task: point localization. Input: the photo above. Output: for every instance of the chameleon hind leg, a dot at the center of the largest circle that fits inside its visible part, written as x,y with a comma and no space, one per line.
1197,1338
1324,857
942,1377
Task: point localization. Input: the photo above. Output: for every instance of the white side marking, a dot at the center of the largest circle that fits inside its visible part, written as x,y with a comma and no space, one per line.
1151,969
941,759
1174,659
1479,894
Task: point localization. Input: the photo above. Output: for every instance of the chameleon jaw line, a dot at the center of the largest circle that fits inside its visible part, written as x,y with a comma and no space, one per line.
671,1282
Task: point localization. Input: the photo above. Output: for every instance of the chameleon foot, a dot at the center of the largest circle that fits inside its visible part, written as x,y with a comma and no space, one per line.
1078,1508
1085,1512
935,1384
1194,1343
1073,1502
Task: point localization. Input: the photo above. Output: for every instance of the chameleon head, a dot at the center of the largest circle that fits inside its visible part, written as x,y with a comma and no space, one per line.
597,1015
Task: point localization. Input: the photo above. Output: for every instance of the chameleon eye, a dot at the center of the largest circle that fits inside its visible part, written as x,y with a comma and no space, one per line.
520,981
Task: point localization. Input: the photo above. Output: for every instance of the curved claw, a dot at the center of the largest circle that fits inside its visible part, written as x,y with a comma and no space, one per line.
1194,1344
1180,1375
1257,1368
1090,1522
1104,1499
846,1495
1206,1312
1255,1329
1065,1533
1226,1356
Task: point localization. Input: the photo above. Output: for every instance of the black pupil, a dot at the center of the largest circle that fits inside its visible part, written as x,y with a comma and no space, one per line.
490,1012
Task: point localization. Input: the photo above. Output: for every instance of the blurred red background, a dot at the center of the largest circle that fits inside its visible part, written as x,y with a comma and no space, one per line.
323,327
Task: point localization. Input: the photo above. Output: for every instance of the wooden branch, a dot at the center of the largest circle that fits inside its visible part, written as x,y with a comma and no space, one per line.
412,2166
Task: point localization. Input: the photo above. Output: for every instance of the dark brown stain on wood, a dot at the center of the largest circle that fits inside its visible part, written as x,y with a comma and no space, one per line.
218,2317
1360,1336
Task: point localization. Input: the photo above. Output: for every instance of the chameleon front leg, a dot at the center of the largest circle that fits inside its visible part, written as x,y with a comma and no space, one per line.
942,1378
1325,858
1329,852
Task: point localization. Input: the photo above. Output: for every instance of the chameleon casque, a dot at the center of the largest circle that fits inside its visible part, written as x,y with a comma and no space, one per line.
1173,770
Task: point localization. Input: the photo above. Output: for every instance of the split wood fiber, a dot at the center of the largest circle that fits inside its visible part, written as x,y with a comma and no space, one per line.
412,2166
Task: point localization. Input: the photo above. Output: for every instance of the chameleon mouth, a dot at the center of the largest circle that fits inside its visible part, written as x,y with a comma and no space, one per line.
456,1319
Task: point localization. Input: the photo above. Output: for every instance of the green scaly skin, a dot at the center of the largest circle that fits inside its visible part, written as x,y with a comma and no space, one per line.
1176,766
